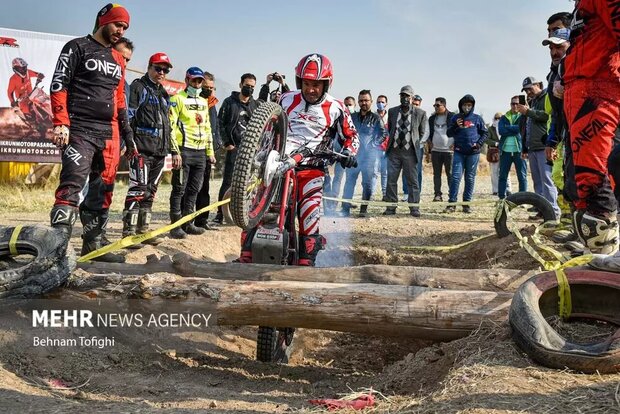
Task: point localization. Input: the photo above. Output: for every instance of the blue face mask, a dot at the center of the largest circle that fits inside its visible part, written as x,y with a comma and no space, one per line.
380,106
191,91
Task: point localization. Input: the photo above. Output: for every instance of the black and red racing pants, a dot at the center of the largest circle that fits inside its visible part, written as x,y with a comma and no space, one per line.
592,110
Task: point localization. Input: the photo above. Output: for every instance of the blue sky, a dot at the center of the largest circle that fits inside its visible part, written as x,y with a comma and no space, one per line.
442,48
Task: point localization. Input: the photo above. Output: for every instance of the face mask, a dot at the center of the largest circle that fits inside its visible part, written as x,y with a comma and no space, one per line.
467,110
191,91
380,106
247,91
404,101
351,108
206,93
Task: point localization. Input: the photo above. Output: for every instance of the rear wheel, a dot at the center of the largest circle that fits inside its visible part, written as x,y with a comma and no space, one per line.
274,344
250,196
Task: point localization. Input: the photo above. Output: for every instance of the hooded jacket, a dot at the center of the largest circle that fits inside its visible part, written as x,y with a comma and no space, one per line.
473,132
510,126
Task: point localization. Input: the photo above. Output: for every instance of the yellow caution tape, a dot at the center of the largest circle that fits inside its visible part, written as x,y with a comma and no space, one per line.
131,240
447,248
13,240
402,204
564,293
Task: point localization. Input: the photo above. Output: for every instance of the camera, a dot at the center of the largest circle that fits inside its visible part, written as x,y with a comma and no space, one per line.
277,77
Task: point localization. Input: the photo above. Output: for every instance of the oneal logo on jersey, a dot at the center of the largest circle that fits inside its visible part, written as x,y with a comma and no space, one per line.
109,68
73,155
60,71
8,42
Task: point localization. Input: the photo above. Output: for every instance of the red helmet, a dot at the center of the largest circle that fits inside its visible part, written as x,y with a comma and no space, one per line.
314,67
19,66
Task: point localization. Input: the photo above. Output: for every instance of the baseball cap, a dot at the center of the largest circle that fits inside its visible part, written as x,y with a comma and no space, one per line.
529,82
194,72
407,90
558,37
159,58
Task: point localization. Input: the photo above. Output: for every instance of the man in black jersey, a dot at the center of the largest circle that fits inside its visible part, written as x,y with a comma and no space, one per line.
88,103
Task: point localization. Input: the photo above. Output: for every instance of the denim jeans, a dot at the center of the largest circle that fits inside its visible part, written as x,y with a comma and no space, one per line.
541,175
506,159
384,174
467,164
367,167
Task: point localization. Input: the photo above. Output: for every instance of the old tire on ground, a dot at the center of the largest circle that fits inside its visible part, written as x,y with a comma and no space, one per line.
272,344
266,131
523,198
49,268
595,295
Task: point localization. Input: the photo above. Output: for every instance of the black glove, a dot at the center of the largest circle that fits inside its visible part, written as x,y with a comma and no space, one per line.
348,160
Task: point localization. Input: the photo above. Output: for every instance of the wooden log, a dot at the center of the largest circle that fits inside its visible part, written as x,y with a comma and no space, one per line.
390,310
459,279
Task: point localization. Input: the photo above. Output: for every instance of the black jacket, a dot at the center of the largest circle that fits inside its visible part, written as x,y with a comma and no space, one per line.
263,94
148,116
234,116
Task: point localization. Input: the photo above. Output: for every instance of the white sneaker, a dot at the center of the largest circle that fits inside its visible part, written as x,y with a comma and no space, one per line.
405,198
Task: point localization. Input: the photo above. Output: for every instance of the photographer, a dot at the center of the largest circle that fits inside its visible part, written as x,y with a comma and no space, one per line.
264,94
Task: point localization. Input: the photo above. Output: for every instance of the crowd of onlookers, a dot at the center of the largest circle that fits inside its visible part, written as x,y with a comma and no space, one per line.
394,141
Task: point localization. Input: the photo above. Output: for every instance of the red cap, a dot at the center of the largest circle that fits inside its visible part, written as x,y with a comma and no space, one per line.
113,13
160,57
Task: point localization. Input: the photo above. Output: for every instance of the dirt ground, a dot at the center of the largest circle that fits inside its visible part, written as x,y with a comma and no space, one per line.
483,373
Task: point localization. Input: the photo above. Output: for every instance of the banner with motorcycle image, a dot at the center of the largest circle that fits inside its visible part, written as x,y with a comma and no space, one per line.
27,62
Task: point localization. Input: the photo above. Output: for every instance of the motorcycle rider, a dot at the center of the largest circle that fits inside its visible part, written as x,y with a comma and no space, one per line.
20,86
88,103
314,118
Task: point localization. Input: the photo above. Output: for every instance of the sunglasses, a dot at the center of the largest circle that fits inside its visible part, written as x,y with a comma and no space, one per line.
159,69
437,105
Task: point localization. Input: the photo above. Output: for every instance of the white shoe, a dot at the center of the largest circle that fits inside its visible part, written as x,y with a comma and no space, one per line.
608,263
405,198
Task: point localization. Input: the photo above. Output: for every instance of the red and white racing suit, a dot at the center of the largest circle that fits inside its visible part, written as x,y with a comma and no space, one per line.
314,126
592,100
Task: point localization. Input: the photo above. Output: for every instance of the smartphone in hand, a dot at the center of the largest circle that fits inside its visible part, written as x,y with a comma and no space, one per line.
522,100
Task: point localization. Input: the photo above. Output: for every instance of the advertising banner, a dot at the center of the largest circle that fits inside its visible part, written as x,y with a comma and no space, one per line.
27,61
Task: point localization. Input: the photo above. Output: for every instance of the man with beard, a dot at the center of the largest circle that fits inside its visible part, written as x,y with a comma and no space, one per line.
234,116
88,104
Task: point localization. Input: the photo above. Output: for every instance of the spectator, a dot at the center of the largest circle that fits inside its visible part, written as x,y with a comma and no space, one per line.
349,102
535,140
332,184
274,96
89,114
406,126
382,102
557,21
372,133
234,116
493,154
150,122
417,101
191,127
592,108
440,145
469,133
204,198
510,149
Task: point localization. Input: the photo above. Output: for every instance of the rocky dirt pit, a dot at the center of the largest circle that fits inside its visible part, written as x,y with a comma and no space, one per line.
484,373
